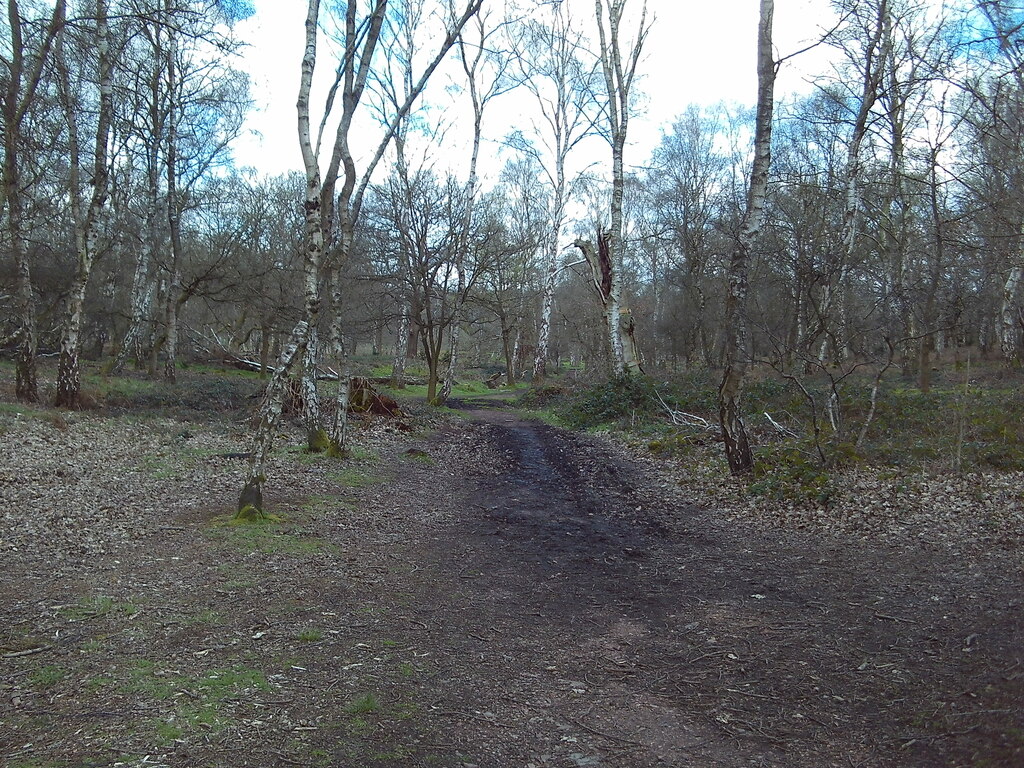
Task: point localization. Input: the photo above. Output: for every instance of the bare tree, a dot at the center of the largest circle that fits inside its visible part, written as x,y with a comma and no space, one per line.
737,334
486,68
562,77
619,74
867,42
326,204
86,217
25,70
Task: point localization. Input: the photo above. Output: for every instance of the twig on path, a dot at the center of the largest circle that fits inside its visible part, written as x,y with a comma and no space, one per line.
27,652
749,693
948,734
596,732
894,618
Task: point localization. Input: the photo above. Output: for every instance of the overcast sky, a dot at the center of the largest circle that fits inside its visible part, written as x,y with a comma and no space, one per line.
697,53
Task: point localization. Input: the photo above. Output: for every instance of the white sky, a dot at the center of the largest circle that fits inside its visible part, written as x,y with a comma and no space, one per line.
697,53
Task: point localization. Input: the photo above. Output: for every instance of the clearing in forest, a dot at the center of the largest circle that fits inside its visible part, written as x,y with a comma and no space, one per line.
484,591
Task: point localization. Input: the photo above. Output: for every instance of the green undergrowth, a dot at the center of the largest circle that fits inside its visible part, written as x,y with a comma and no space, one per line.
196,393
817,424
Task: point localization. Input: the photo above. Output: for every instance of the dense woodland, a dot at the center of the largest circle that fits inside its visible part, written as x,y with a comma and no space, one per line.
891,217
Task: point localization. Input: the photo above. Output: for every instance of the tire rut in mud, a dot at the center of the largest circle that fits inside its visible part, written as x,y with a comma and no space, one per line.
698,642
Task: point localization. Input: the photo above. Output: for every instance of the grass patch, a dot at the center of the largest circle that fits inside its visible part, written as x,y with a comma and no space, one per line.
94,607
167,732
354,477
206,617
270,536
364,704
48,676
310,635
201,706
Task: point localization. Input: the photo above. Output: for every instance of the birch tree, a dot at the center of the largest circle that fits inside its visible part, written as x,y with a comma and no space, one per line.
25,67
867,43
618,66
332,211
486,69
86,216
561,76
737,333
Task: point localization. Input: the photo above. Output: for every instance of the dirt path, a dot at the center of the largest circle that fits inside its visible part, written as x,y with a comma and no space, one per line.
514,595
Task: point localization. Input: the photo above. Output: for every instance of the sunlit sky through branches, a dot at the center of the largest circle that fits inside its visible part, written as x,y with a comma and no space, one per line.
697,53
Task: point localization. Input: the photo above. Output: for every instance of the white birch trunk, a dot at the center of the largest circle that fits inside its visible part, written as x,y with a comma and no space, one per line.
547,305
87,221
618,76
315,441
1009,329
737,347
250,501
401,343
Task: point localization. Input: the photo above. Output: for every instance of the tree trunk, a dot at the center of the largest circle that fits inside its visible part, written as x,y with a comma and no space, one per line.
401,349
1008,329
87,222
265,333
315,437
23,70
270,415
173,211
737,351
547,304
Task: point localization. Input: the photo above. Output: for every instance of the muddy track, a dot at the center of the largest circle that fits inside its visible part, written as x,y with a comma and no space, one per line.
615,624
495,593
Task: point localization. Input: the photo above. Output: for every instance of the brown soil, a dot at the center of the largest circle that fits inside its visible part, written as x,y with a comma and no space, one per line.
495,592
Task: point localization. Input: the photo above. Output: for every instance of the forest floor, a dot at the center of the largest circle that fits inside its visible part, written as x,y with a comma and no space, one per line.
484,590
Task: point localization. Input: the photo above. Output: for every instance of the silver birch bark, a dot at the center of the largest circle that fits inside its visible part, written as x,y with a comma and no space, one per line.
562,85
737,346
86,219
1009,328
311,394
618,78
23,73
401,342
250,500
